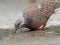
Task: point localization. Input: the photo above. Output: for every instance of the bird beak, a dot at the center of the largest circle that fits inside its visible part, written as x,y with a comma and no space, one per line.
15,30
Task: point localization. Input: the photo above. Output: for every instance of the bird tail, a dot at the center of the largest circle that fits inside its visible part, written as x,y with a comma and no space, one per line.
57,5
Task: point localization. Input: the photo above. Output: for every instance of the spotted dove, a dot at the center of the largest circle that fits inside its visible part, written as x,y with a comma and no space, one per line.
37,15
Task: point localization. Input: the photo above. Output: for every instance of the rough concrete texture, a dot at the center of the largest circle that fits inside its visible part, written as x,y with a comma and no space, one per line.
50,36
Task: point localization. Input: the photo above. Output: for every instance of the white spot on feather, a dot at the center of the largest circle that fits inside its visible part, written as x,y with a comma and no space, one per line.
39,6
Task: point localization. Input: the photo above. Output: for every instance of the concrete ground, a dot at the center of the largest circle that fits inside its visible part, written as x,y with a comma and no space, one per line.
49,36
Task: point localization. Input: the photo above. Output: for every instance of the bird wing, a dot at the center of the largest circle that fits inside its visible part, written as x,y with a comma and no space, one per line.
35,14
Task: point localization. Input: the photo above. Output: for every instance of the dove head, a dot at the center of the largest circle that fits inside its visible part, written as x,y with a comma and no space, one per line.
19,23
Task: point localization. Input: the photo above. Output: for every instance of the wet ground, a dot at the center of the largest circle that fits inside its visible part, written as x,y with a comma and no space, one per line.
49,36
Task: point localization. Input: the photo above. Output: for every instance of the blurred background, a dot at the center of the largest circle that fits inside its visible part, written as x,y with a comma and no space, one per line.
11,10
